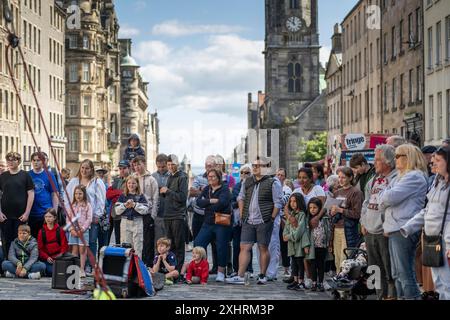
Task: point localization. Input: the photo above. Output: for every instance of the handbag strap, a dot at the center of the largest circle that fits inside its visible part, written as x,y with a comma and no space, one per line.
445,213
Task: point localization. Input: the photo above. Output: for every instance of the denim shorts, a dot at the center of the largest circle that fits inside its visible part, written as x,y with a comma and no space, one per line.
76,241
259,233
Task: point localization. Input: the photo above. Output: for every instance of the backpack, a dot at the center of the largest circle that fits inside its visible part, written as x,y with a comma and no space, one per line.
58,236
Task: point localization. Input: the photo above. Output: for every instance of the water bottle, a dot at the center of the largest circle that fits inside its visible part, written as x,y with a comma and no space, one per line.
247,279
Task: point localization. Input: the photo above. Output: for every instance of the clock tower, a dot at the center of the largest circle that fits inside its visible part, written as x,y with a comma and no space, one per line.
291,74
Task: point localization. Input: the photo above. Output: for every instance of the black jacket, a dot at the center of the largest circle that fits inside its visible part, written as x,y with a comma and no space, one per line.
175,198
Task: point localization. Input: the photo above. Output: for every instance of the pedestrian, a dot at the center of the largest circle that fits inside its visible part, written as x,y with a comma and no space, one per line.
196,271
288,188
161,175
82,211
215,199
52,241
96,195
23,257
428,152
404,198
259,203
149,188
346,216
298,236
132,206
17,198
65,174
320,239
362,170
113,193
435,221
165,262
175,198
319,176
134,148
372,215
45,197
307,187
245,173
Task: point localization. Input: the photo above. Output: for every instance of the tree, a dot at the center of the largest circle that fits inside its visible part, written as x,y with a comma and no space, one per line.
314,149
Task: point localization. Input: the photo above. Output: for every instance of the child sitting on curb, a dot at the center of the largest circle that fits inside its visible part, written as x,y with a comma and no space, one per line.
196,271
165,261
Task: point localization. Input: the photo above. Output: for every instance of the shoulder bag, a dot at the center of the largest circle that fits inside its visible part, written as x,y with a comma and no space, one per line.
432,255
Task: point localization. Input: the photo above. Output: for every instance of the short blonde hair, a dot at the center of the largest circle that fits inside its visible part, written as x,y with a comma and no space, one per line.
24,227
414,157
164,241
201,251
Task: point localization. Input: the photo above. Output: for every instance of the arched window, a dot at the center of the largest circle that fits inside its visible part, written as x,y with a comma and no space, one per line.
295,77
294,4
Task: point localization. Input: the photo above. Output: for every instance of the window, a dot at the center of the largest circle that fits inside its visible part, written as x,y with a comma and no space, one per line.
401,90
73,73
365,61
448,112
87,106
72,41
86,142
411,39
385,48
385,97
25,31
439,115
294,4
85,42
73,141
86,76
410,86
400,34
378,52
39,41
431,121
419,83
371,57
418,25
393,46
447,38
295,77
438,43
430,48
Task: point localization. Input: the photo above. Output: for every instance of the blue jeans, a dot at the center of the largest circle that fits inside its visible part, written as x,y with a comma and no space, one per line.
93,236
48,269
36,267
403,253
221,234
197,222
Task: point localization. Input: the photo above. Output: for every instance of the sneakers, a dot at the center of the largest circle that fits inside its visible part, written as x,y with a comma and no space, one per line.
292,286
9,275
235,280
220,277
300,287
34,275
168,282
269,278
213,271
289,280
320,287
262,279
188,248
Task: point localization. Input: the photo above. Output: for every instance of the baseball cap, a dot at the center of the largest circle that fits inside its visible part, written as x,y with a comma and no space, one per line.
429,149
124,163
100,169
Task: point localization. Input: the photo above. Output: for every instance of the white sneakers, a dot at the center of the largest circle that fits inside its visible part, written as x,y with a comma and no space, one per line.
262,279
220,277
235,280
9,275
34,275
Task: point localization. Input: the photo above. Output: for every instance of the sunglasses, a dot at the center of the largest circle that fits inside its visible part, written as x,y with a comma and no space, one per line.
245,173
398,156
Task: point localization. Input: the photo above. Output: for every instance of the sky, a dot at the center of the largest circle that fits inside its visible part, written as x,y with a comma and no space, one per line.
202,58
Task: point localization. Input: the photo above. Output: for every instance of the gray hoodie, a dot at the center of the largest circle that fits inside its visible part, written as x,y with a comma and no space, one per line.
26,252
431,217
372,214
403,199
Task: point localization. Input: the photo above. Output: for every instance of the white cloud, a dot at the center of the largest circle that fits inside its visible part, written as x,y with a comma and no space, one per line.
174,28
201,93
325,55
126,31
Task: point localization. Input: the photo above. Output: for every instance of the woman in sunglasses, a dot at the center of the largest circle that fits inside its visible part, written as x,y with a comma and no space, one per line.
432,218
404,198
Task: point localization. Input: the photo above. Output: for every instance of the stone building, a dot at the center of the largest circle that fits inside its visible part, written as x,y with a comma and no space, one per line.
293,107
40,26
93,85
135,115
437,71
382,70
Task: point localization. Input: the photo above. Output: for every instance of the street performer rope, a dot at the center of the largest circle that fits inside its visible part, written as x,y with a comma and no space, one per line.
14,43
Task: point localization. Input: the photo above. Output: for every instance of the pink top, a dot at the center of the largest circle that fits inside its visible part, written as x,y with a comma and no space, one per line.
84,212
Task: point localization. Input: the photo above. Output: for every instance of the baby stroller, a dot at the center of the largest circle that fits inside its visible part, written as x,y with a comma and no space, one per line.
355,286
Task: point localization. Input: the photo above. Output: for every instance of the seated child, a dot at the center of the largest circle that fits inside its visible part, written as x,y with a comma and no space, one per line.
165,261
349,264
52,241
198,268
23,256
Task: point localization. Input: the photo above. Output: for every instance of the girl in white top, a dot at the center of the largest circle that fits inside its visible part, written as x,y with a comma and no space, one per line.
307,188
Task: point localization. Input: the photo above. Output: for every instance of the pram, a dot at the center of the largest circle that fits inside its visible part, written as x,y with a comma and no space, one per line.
356,285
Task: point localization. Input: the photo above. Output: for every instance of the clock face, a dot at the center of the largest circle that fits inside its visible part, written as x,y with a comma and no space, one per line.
294,24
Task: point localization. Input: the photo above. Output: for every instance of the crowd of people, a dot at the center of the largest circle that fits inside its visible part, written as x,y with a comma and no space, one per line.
303,225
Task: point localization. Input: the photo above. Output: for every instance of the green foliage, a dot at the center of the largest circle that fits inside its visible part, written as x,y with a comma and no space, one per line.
314,149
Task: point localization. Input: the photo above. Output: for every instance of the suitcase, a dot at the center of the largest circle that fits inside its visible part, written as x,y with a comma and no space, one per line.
60,273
